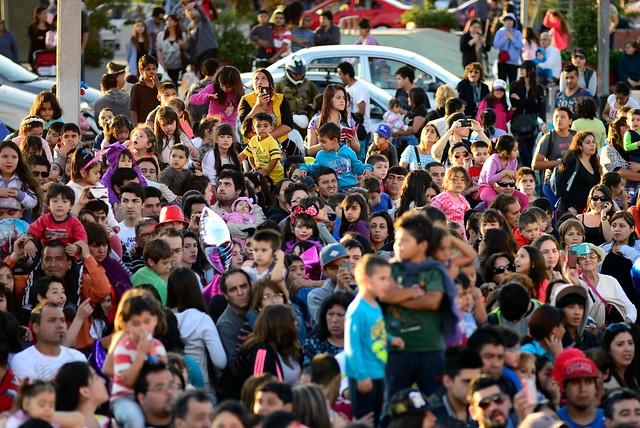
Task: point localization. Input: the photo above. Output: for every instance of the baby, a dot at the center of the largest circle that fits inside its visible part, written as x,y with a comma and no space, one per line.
393,117
242,212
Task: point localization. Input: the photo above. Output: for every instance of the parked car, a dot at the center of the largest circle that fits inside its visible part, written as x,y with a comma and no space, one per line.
374,64
15,105
381,13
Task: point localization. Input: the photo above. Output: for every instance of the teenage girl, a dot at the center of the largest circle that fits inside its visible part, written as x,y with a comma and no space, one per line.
47,107
503,162
302,227
142,142
355,215
497,101
451,200
223,153
16,179
169,133
118,156
530,262
223,96
37,400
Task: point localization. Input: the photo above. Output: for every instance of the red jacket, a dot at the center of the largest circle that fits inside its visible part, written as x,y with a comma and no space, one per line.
520,240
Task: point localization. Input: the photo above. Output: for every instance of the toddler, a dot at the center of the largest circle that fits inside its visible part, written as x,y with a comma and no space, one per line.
632,136
393,117
242,212
37,400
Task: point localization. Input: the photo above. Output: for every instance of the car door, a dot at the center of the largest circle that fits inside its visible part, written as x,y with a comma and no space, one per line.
383,71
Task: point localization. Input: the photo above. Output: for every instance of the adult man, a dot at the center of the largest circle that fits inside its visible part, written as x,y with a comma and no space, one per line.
118,70
393,183
405,77
82,280
235,285
553,60
174,238
203,43
145,230
43,360
573,93
579,376
461,366
622,406
155,388
299,90
489,403
154,25
326,33
359,95
151,203
192,409
230,186
436,171
131,196
112,97
302,35
326,182
192,210
552,147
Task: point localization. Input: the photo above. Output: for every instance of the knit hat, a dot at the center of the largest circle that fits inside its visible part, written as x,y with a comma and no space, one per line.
242,198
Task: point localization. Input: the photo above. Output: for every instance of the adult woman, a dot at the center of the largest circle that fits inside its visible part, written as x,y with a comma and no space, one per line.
587,77
279,210
617,186
571,233
558,28
472,43
496,241
496,267
509,206
621,97
328,337
191,256
138,45
530,44
508,40
170,44
527,98
471,88
79,388
550,249
586,119
417,157
267,101
334,110
443,93
37,32
601,286
381,227
310,405
529,262
618,342
578,172
273,346
415,120
413,191
615,157
622,252
629,65
197,330
596,220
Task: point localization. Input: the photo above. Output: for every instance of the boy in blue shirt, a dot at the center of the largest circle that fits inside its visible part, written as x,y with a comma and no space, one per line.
365,341
341,159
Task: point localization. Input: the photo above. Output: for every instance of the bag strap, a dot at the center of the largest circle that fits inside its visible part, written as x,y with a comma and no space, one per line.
418,161
594,290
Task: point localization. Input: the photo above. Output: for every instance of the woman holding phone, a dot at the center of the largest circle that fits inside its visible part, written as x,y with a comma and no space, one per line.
335,109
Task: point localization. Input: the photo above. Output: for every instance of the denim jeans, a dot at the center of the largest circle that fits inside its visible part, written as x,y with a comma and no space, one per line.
362,404
128,413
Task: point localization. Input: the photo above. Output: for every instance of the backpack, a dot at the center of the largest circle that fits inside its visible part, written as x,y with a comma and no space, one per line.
553,180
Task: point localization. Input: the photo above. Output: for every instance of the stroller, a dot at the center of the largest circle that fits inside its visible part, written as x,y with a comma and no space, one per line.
44,62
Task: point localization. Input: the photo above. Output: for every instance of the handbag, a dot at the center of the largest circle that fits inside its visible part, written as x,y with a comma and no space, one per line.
504,56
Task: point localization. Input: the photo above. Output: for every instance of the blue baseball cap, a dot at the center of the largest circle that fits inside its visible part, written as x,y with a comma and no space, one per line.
331,253
383,130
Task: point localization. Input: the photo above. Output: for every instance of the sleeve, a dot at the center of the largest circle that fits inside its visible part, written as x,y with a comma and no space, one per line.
14,49
95,284
407,155
166,176
121,359
464,43
213,343
37,227
286,116
493,174
362,227
274,149
481,107
244,108
353,347
517,40
630,253
357,166
201,97
27,198
227,338
209,166
623,74
393,156
311,169
77,230
325,236
23,367
438,203
629,144
593,83
632,311
498,40
134,103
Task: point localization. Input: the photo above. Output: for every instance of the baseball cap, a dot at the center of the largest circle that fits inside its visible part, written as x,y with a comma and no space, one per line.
115,68
383,130
499,84
332,252
528,64
408,402
541,420
578,368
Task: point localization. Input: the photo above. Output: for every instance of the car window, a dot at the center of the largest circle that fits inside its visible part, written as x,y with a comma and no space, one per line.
324,64
383,73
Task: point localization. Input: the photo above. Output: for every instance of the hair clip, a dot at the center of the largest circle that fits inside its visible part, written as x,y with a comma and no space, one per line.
297,210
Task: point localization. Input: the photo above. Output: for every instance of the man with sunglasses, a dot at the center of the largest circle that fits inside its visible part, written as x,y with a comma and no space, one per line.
489,404
587,77
579,380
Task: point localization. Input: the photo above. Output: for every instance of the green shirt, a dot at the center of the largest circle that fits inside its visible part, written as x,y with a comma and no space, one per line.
420,330
147,276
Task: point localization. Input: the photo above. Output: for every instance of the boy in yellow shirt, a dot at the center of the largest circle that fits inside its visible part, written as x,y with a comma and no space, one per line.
263,150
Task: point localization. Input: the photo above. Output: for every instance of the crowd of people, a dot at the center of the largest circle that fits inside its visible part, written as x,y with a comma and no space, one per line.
467,265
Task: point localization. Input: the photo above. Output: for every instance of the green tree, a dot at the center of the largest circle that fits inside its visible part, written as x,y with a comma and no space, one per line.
584,28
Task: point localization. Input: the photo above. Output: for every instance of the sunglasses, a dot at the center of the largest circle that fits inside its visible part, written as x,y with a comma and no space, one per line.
461,154
332,216
619,326
599,198
496,399
501,269
501,184
43,174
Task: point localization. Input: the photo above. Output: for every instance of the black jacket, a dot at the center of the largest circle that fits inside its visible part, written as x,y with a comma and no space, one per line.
465,91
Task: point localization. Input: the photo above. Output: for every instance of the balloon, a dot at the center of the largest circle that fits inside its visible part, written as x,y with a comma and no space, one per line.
10,230
216,240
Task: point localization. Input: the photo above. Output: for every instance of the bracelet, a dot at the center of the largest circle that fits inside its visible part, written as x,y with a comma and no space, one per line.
604,218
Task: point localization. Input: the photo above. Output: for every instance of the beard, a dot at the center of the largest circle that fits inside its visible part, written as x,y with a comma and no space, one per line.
496,419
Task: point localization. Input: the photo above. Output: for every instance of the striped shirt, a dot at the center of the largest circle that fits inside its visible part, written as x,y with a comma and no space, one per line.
453,208
123,357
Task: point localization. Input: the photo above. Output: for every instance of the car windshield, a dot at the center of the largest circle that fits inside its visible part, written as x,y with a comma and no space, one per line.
13,72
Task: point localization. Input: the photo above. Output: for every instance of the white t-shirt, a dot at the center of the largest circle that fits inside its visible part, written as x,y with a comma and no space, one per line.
127,235
358,93
32,364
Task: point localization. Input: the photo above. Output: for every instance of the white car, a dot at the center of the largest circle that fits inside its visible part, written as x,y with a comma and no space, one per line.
375,64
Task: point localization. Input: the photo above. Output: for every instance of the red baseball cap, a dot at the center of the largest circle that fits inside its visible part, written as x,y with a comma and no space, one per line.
578,368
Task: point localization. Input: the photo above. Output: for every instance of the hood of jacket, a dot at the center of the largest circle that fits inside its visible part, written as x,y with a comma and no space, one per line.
190,322
587,306
113,153
117,98
543,52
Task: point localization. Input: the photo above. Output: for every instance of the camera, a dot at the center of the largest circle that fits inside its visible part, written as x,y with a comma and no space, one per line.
465,123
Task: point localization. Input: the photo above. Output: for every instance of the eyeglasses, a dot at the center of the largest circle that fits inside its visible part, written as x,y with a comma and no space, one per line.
501,269
43,174
463,154
501,184
596,198
146,235
163,387
496,399
271,297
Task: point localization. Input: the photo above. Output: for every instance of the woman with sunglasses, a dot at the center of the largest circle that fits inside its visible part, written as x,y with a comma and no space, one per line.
578,172
498,266
597,218
604,290
619,344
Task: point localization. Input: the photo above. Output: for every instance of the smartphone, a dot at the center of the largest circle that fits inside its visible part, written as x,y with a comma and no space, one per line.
264,89
99,192
582,249
346,265
572,259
